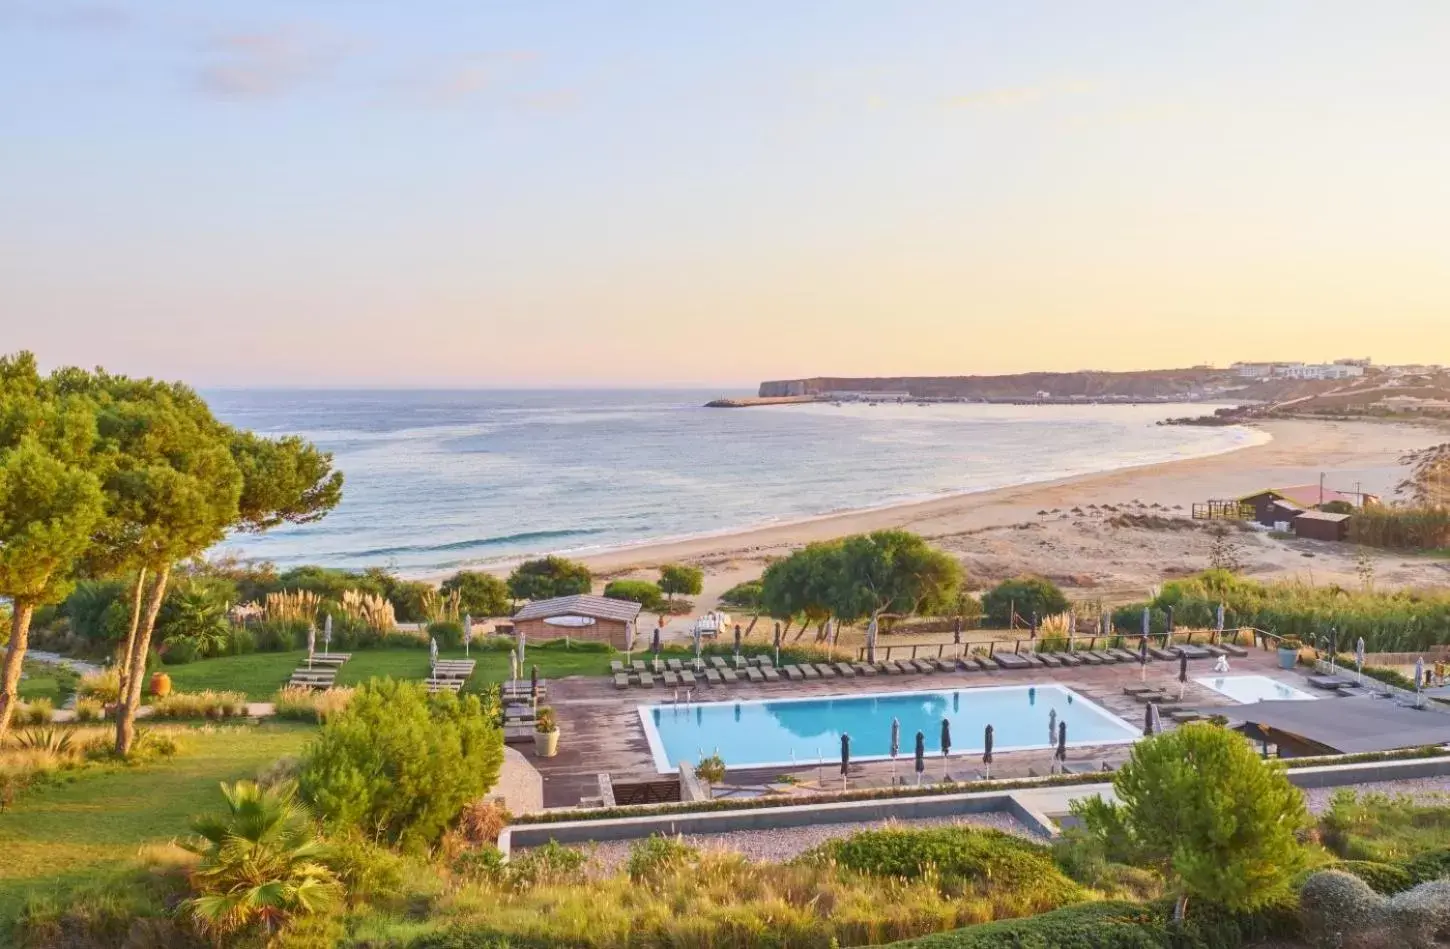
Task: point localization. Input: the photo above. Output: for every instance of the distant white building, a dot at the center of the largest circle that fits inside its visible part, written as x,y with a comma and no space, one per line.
1319,371
1253,370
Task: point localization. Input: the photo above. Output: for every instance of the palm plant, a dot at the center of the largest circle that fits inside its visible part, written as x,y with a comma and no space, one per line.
261,863
199,616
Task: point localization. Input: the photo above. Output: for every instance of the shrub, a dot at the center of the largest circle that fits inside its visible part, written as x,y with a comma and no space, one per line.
482,863
658,854
89,710
261,864
548,577
1105,925
103,686
1382,828
448,634
280,635
479,594
482,821
1027,595
399,764
643,592
1383,878
678,578
544,721
1431,865
958,856
35,712
205,704
1200,806
365,868
179,652
310,705
551,863
742,596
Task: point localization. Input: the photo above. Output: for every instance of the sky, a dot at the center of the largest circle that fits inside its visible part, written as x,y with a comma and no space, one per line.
671,192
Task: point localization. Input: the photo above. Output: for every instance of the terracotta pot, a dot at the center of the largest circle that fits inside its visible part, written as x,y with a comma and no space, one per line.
160,685
546,744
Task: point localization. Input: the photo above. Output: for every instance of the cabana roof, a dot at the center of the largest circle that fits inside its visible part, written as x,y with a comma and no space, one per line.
584,604
1355,725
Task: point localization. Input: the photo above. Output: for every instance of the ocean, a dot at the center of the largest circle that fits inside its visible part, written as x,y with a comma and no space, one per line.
442,480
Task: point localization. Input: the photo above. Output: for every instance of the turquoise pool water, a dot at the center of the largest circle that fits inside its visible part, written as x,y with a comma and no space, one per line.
784,732
1254,688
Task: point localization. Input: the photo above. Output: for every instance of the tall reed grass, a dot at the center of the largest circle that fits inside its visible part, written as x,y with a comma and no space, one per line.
310,705
1401,527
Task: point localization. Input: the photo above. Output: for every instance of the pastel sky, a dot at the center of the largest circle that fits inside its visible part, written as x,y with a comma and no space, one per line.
460,192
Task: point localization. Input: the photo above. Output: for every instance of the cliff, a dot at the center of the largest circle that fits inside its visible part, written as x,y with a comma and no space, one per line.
1150,384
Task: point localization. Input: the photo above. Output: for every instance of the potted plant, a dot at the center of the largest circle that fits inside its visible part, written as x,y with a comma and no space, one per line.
546,733
711,770
1289,648
160,685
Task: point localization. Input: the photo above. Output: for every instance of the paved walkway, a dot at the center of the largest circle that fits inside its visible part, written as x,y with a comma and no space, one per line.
55,659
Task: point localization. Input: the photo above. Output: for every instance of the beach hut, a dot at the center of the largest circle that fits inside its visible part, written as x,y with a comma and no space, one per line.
584,616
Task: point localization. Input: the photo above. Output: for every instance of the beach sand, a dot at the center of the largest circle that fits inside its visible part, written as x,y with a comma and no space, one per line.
1092,553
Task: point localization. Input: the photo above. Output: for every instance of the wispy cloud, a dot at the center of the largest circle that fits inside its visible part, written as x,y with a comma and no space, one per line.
469,79
73,17
267,63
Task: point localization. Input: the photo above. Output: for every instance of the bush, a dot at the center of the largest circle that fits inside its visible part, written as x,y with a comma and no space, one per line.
448,634
549,577
551,863
643,592
482,863
656,855
479,594
1431,865
179,652
1027,595
206,704
1385,878
742,596
958,856
103,686
280,635
678,578
35,712
400,764
1106,925
482,821
310,705
89,710
365,868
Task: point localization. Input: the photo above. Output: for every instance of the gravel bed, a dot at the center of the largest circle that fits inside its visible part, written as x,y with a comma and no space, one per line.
1421,789
787,842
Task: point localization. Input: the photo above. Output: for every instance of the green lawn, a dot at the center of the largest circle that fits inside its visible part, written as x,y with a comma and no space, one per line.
261,674
56,836
44,681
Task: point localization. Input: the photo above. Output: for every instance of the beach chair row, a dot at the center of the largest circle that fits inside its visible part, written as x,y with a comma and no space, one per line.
448,675
719,672
320,672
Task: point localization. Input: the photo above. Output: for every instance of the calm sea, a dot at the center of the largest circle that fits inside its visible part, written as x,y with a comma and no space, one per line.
441,480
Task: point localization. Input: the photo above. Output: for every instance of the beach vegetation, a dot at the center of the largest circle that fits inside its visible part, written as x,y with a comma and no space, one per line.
261,864
743,596
1388,620
893,571
1402,527
1200,806
479,594
1024,596
399,764
644,592
677,579
548,577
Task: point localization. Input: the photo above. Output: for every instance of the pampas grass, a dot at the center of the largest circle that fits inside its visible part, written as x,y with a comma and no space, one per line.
310,705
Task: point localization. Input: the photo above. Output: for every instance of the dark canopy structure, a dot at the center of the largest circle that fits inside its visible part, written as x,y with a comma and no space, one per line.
1346,726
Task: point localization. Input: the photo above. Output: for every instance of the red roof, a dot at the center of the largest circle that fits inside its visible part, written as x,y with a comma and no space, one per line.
1308,495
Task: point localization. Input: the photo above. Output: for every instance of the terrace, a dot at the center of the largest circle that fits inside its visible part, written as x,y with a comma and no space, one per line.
602,730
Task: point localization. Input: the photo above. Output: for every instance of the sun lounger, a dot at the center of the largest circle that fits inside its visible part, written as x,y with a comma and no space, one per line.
330,659
1068,658
1238,652
621,681
1162,654
1007,660
1185,715
969,663
810,671
1139,689
769,674
1089,658
686,677
826,670
793,672
1216,651
443,685
865,669
1048,659
753,674
674,665
518,734
1329,683
719,662
712,677
1105,658
1193,652
615,667
668,678
729,676
846,670
925,665
1122,655
763,661
888,668
1144,698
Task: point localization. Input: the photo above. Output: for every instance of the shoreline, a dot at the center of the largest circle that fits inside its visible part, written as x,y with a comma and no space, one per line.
988,529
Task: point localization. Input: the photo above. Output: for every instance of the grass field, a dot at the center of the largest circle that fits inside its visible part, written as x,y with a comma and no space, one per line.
58,835
44,681
260,674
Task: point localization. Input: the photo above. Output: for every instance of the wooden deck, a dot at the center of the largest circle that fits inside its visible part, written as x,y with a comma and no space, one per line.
601,730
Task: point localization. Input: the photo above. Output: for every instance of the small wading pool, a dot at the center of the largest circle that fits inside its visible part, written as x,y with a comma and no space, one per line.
1248,689
789,732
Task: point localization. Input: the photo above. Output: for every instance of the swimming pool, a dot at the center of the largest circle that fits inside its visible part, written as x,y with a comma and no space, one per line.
1248,689
787,732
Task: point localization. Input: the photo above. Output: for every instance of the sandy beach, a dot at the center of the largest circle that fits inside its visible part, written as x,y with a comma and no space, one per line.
1050,529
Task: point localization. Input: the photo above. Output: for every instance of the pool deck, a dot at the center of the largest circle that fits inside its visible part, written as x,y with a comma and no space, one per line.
601,731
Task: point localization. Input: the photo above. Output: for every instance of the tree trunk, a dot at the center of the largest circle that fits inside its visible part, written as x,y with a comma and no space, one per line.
1180,908
14,656
786,630
753,620
131,700
124,667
